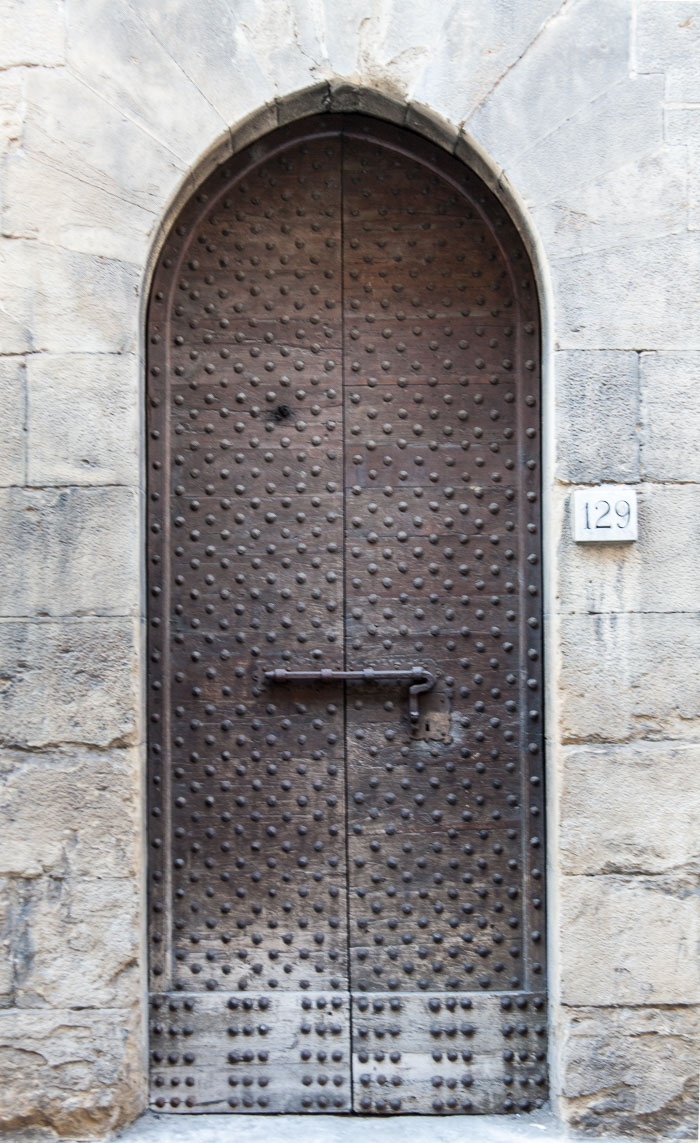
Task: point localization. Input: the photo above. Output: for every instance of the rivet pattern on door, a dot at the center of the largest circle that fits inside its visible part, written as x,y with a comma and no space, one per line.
344,473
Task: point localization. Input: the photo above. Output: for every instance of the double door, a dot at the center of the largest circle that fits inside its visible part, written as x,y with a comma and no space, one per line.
345,771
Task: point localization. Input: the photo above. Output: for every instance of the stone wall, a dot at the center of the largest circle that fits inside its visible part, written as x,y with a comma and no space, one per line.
586,115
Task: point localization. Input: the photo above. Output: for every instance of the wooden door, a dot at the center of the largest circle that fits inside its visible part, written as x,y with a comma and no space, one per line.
345,767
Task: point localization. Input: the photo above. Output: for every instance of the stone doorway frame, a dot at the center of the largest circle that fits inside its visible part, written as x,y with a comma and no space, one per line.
329,98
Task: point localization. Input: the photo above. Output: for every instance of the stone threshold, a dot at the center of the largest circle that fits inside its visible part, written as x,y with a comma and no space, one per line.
539,1127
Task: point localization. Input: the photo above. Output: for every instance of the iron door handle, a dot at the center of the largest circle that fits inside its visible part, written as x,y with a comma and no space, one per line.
419,678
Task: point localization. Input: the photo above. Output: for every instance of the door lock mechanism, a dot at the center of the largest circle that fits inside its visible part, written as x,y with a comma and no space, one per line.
418,678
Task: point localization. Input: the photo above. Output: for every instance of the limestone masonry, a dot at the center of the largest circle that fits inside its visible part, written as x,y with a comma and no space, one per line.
584,117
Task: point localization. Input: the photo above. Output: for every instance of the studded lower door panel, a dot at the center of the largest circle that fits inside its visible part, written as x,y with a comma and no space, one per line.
346,892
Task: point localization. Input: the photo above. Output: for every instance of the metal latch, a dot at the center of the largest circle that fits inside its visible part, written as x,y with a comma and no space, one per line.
419,679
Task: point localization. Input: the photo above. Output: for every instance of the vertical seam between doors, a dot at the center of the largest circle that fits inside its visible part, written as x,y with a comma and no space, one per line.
345,625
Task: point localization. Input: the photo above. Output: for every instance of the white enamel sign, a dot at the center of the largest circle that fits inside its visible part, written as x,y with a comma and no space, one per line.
605,514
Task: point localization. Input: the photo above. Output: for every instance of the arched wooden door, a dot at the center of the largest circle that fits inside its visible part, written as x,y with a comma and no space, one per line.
345,771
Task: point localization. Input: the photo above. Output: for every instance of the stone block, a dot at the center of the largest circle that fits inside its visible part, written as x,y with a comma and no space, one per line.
549,92
65,302
597,412
80,1074
13,411
73,129
670,416
16,296
32,33
471,153
630,676
658,572
630,809
252,128
598,216
629,940
474,48
58,807
59,209
83,419
76,942
630,297
70,551
668,40
100,39
614,130
11,111
73,681
683,128
218,62
631,1071
283,40
7,919
426,122
366,101
313,100
81,303
694,187
342,37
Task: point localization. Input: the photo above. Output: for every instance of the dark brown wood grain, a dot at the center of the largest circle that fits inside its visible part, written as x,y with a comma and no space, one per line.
343,459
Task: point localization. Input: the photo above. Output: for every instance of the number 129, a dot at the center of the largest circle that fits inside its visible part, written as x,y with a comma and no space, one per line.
602,510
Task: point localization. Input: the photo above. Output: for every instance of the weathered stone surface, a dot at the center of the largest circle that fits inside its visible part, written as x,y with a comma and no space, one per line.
13,405
6,931
60,922
70,551
393,45
66,211
81,303
285,41
670,413
70,681
601,578
631,297
475,48
99,47
65,302
630,809
58,808
313,100
74,129
11,111
421,118
32,33
95,157
630,676
16,296
540,1126
668,40
80,1073
597,412
254,126
633,1071
619,126
629,940
683,126
354,97
597,215
221,66
575,58
83,419
341,35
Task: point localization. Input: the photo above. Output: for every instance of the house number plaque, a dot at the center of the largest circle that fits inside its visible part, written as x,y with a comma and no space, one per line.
604,514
